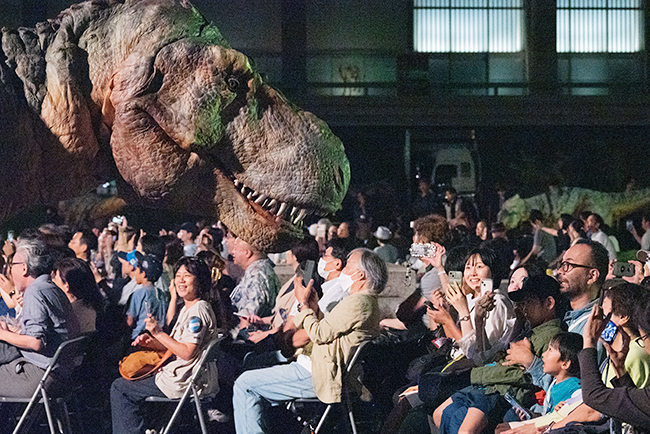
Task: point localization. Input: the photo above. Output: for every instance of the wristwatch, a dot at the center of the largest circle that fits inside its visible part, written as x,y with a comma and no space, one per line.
300,306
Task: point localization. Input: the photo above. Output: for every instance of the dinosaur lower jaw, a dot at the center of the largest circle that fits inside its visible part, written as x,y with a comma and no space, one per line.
261,221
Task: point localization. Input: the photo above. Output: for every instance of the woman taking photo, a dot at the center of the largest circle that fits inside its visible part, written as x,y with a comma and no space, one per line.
194,329
485,316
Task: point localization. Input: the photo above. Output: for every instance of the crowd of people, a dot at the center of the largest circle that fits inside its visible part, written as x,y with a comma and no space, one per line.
504,331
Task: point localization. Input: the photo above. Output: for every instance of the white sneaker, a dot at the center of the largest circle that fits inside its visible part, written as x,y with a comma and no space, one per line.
215,415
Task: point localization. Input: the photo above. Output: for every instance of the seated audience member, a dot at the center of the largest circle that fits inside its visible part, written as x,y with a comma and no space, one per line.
620,300
561,363
480,265
626,401
222,286
128,263
195,328
47,320
519,274
146,301
581,275
481,405
256,292
76,280
412,312
329,268
317,373
385,250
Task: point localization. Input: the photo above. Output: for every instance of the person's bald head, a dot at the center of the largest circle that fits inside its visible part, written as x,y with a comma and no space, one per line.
244,255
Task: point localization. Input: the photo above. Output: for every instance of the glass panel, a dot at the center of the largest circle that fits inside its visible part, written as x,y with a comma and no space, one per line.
506,69
589,70
468,71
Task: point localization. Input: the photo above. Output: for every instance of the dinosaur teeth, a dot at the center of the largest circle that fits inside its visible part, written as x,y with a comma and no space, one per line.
260,199
250,195
283,207
301,215
293,211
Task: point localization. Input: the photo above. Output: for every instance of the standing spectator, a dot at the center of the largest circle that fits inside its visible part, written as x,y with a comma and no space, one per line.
385,250
256,292
186,234
644,241
544,246
82,243
482,230
594,224
501,246
459,211
425,202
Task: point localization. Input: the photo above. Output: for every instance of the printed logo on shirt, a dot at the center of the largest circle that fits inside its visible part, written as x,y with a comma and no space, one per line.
194,325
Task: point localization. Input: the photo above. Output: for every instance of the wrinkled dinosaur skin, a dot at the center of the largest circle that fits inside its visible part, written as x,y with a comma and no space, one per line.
147,91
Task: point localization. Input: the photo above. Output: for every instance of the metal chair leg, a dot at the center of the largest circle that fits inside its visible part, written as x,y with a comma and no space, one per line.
322,419
48,411
348,405
199,411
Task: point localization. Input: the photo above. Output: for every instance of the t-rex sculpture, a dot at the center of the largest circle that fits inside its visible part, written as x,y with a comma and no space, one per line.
573,200
149,92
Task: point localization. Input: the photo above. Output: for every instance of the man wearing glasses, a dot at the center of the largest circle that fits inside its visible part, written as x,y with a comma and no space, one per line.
581,275
46,321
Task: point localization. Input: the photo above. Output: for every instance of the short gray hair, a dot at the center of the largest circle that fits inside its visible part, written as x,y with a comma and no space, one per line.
374,268
37,258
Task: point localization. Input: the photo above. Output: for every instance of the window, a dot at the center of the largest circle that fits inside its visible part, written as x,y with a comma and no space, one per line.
468,26
599,26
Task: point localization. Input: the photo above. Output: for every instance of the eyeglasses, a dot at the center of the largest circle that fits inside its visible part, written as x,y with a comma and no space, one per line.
17,263
640,341
567,266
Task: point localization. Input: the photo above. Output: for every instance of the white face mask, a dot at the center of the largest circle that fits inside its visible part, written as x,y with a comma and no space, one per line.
322,263
346,281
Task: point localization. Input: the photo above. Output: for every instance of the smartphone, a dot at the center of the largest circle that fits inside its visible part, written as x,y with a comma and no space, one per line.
609,333
486,286
10,236
308,273
629,225
430,305
456,276
321,231
118,219
420,250
623,269
516,405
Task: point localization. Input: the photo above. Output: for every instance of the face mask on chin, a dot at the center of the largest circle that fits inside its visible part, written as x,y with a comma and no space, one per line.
322,263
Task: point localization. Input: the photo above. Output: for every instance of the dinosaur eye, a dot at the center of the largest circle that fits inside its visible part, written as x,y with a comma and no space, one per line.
233,84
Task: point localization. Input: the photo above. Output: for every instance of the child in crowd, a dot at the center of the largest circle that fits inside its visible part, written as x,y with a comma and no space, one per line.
145,300
481,405
561,362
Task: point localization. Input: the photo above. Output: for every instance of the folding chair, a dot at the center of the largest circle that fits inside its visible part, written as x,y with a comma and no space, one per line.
209,355
69,351
346,392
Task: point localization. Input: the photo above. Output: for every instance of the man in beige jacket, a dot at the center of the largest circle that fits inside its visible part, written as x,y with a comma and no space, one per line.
319,372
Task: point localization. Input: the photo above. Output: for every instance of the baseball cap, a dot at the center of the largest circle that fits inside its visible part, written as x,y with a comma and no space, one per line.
134,257
539,287
151,266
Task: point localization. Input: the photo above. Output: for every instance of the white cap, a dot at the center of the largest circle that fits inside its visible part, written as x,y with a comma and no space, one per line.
313,229
383,233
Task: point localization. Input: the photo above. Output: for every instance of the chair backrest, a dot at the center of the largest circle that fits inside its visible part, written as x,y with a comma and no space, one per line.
70,351
209,354
356,355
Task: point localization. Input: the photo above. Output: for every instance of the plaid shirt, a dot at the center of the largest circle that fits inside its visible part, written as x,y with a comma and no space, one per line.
257,290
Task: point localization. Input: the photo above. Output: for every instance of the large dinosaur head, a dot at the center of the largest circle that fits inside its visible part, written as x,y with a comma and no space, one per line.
192,125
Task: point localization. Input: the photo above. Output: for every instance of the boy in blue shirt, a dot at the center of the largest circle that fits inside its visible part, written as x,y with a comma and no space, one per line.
145,300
